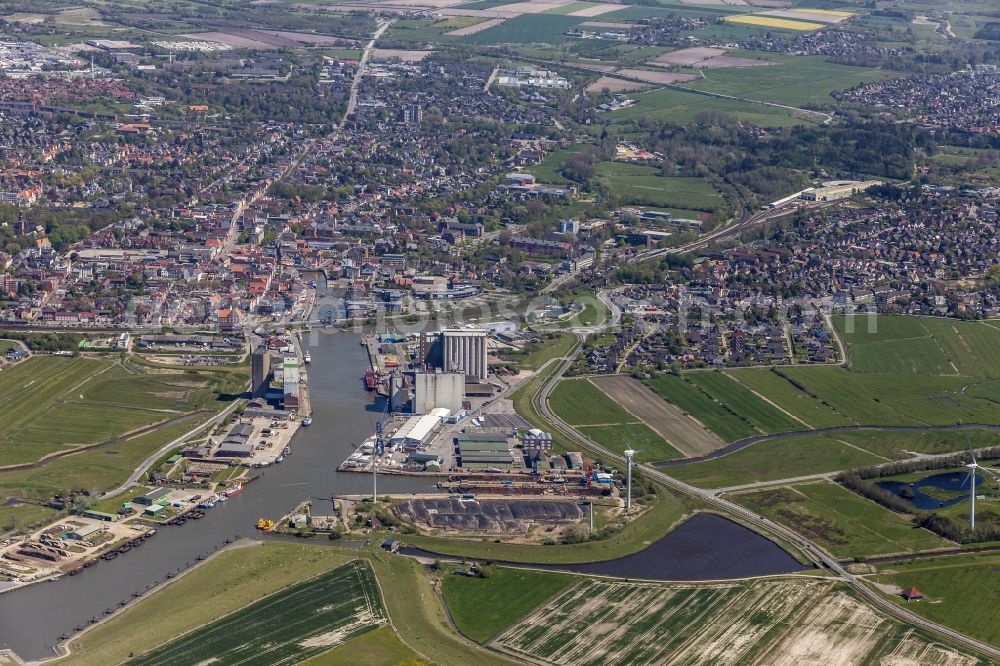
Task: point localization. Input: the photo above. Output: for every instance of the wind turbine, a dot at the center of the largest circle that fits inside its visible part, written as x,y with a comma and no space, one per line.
629,455
974,467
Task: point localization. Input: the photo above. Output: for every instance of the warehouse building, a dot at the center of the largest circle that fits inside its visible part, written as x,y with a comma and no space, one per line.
482,449
155,496
418,431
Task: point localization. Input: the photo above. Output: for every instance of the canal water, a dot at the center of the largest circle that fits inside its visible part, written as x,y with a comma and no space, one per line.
957,482
706,547
32,618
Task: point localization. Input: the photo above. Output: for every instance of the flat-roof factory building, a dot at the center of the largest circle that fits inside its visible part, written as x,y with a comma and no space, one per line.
478,450
418,431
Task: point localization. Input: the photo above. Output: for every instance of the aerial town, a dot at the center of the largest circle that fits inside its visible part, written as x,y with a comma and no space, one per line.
499,332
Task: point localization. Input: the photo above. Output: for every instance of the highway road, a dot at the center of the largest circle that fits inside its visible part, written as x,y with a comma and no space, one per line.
760,523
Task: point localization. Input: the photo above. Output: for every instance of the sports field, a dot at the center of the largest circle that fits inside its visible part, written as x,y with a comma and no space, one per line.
845,524
301,621
782,622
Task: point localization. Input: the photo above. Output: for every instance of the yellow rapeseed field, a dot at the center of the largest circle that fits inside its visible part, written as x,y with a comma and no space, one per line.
771,22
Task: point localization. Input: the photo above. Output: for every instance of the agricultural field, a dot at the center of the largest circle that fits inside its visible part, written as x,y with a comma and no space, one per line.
582,404
764,416
783,622
793,400
527,29
682,106
483,607
376,648
296,623
119,413
958,590
46,409
671,425
794,80
579,402
226,582
774,22
844,523
643,185
711,414
820,454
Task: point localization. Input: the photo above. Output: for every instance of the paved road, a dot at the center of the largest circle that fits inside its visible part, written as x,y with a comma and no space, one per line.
764,525
352,101
141,469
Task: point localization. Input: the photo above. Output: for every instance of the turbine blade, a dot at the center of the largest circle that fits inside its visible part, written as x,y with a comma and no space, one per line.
965,481
991,472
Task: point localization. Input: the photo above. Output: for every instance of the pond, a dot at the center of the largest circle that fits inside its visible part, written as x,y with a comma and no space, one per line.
951,481
706,547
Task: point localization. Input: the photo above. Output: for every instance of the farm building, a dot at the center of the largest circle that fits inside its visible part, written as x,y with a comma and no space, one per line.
912,594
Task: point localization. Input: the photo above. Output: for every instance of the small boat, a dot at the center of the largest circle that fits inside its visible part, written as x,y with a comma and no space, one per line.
235,490
307,421
307,358
287,450
265,524
55,578
279,460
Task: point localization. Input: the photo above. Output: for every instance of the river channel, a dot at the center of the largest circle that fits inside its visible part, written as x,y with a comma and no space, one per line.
33,617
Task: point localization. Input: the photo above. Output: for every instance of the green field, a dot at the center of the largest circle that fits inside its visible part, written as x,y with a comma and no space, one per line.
793,400
680,106
740,399
796,81
689,398
579,402
644,186
296,623
844,523
958,591
376,648
535,355
225,583
527,29
636,436
819,454
483,607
